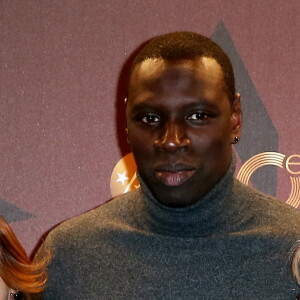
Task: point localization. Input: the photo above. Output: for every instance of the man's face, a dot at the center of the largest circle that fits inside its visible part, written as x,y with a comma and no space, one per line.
181,125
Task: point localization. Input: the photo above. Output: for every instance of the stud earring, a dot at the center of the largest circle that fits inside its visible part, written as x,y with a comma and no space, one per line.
13,296
236,140
125,100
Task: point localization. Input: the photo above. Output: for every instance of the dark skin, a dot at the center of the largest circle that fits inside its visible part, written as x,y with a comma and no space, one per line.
181,127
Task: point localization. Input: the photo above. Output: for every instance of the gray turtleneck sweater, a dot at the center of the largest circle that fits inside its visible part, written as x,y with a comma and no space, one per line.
234,243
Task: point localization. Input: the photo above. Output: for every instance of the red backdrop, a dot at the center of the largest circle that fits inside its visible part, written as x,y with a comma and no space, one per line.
62,78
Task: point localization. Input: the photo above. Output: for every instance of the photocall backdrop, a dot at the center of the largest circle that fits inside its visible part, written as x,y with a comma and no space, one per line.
63,82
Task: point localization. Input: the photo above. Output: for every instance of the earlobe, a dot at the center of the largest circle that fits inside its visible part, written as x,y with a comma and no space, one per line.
236,118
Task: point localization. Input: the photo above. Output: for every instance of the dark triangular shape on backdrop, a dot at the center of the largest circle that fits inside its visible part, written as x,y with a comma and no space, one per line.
258,133
12,213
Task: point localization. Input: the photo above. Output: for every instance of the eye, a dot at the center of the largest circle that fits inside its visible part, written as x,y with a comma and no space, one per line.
198,117
151,119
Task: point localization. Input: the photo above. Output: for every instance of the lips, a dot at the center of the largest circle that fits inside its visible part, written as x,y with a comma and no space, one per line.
174,175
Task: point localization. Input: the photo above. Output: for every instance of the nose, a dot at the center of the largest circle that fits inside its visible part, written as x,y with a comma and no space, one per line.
172,139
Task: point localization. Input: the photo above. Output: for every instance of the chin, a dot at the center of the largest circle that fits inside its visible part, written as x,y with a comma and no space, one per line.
174,197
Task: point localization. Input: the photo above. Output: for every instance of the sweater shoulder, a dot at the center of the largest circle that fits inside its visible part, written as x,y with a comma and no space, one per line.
100,219
268,211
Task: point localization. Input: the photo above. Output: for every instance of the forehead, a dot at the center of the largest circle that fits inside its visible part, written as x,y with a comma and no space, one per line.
201,73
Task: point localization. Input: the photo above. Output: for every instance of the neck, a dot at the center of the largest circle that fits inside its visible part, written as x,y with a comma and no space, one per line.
209,213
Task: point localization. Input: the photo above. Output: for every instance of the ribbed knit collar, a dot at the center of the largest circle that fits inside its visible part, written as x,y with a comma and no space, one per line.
215,213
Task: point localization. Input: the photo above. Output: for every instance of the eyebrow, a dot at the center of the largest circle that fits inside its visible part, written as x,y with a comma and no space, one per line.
142,106
200,103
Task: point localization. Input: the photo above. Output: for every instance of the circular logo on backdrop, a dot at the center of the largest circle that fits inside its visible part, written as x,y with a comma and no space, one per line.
124,179
292,165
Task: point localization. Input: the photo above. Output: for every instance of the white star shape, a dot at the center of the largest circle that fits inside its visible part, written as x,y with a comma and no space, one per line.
122,177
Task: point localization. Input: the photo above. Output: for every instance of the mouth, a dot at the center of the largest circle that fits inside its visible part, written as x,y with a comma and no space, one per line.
174,175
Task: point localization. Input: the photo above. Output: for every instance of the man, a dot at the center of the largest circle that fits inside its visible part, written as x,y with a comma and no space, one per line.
192,231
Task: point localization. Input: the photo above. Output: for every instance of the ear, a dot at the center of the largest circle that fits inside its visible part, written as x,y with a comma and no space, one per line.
126,129
236,118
